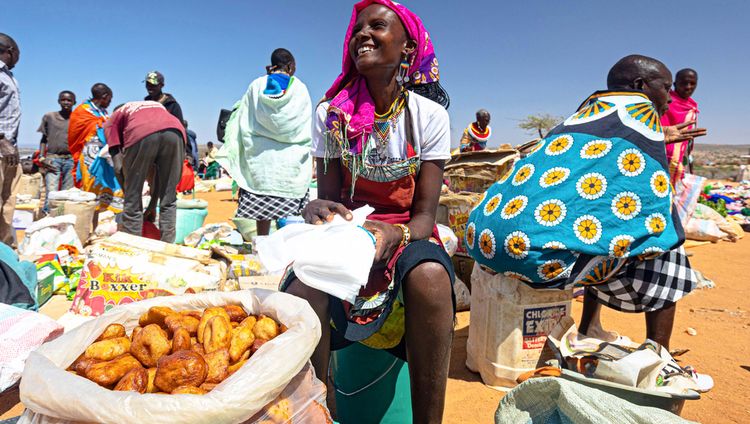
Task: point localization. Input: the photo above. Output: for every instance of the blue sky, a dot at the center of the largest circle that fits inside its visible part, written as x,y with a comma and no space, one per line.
512,58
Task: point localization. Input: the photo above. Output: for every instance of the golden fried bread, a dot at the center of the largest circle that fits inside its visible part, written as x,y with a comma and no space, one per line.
208,386
266,328
155,315
281,411
242,339
150,344
189,323
82,364
108,373
135,332
108,349
135,380
218,364
150,387
256,345
236,313
217,335
234,367
207,315
181,340
183,368
195,314
189,390
249,321
112,331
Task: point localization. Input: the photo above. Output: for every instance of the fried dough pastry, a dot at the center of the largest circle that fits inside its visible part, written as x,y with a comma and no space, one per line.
108,349
209,386
155,315
184,368
189,323
249,321
256,345
234,367
281,411
150,387
266,328
112,331
242,339
217,335
181,340
207,315
198,348
195,314
218,364
108,373
189,390
236,313
150,344
82,364
135,332
135,380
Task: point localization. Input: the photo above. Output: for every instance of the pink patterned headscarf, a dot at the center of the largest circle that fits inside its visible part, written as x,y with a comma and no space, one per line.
351,107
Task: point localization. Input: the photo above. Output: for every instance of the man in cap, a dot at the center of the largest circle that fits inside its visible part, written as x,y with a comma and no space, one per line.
154,85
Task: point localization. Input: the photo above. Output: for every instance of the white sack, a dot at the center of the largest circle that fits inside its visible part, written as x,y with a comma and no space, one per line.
53,395
45,235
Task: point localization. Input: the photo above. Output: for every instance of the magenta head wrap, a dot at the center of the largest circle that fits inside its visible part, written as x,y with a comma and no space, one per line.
351,106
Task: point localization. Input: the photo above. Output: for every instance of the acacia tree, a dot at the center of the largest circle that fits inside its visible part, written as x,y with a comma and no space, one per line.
540,123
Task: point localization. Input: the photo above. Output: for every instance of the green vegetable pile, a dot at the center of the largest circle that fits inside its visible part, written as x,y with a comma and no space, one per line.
720,206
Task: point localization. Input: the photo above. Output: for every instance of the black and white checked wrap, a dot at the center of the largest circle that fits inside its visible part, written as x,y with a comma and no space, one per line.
646,286
269,208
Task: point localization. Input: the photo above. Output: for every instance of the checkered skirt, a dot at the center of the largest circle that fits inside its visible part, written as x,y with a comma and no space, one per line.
646,286
269,208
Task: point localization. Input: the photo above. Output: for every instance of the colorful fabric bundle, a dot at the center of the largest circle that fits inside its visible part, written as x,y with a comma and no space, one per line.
596,187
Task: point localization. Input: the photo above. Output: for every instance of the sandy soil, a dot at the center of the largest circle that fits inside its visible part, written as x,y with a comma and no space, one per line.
721,348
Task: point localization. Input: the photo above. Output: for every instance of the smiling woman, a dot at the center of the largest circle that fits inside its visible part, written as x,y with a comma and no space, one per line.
378,142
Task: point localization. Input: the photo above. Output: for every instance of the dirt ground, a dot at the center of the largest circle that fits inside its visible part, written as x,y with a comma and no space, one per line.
721,347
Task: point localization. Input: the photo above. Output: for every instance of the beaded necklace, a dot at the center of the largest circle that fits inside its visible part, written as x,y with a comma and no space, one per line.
387,121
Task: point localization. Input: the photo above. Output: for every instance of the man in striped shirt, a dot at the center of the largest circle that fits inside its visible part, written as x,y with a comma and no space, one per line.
10,117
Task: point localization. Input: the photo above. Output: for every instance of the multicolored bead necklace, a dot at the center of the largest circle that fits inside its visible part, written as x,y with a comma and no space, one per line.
388,120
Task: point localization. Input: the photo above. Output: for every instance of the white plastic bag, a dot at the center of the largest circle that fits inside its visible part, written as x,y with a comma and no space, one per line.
335,257
45,235
448,238
53,395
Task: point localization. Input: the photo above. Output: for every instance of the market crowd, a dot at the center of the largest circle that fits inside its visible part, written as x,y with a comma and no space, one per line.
381,136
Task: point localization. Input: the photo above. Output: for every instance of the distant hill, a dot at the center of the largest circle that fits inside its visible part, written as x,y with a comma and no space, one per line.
742,149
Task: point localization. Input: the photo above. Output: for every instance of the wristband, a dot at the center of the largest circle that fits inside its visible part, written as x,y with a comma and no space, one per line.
405,234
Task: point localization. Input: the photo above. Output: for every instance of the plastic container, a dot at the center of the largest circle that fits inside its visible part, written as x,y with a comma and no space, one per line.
666,401
188,220
372,386
509,326
288,220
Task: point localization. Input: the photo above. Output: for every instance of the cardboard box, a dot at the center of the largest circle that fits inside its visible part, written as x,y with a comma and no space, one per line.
115,274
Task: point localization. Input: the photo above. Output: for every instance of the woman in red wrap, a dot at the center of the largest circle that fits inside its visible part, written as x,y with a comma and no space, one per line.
381,138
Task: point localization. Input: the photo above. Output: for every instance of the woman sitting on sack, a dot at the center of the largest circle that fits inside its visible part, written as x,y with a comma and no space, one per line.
377,141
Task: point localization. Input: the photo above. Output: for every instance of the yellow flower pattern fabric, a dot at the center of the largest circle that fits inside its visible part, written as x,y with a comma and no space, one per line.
593,187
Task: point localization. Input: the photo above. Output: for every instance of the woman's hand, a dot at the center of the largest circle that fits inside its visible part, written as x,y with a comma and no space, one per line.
319,211
387,239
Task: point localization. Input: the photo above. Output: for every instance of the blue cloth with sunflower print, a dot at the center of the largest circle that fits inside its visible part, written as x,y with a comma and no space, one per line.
596,187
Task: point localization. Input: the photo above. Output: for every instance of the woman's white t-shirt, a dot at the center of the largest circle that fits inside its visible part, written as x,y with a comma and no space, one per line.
431,134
